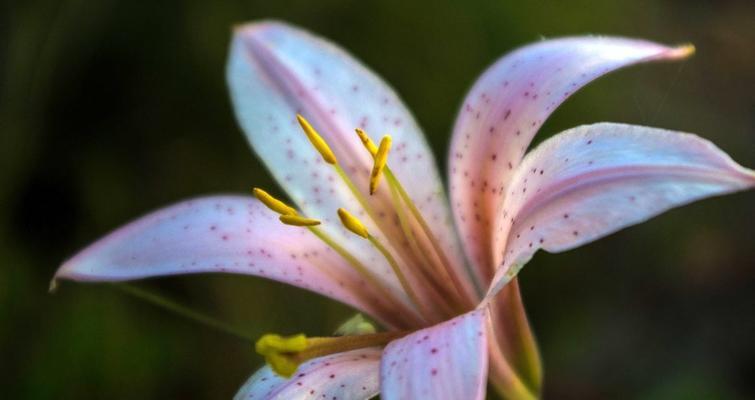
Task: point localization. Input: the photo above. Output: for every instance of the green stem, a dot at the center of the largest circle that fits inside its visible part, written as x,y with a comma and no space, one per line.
183,311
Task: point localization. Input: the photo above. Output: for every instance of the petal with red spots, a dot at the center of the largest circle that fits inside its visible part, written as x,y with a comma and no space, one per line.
351,375
230,234
590,181
275,71
504,110
445,361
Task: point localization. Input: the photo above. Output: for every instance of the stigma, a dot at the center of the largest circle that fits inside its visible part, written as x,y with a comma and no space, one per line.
284,354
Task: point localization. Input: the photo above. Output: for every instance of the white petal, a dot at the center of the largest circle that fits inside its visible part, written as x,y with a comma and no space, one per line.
229,234
275,71
504,110
591,181
351,375
445,361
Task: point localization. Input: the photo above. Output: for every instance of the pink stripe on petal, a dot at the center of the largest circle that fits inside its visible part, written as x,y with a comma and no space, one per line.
593,180
231,234
277,70
504,110
445,361
342,376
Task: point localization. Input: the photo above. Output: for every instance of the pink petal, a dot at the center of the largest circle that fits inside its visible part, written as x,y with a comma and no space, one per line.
345,376
504,110
445,361
222,234
593,180
277,70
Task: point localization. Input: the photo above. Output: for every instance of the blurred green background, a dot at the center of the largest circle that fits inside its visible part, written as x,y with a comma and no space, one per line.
111,108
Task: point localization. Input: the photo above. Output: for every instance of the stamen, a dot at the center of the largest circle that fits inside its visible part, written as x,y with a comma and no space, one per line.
399,274
381,158
445,262
285,354
322,146
404,222
353,224
296,220
367,142
365,273
402,312
446,265
273,203
317,141
431,277
353,189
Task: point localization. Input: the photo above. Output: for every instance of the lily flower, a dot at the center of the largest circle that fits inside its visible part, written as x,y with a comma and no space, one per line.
370,224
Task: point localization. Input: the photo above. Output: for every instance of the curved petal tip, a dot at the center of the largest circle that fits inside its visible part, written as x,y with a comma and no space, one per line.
682,51
248,27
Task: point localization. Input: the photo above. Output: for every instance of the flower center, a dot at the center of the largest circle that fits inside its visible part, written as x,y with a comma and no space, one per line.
423,269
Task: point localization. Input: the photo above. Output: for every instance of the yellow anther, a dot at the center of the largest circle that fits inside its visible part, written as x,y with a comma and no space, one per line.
273,203
280,352
317,140
296,220
684,50
352,223
381,158
367,142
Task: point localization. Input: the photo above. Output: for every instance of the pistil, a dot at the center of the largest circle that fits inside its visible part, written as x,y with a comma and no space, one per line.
285,354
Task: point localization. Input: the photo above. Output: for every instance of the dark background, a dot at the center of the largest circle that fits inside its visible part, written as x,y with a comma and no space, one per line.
111,108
